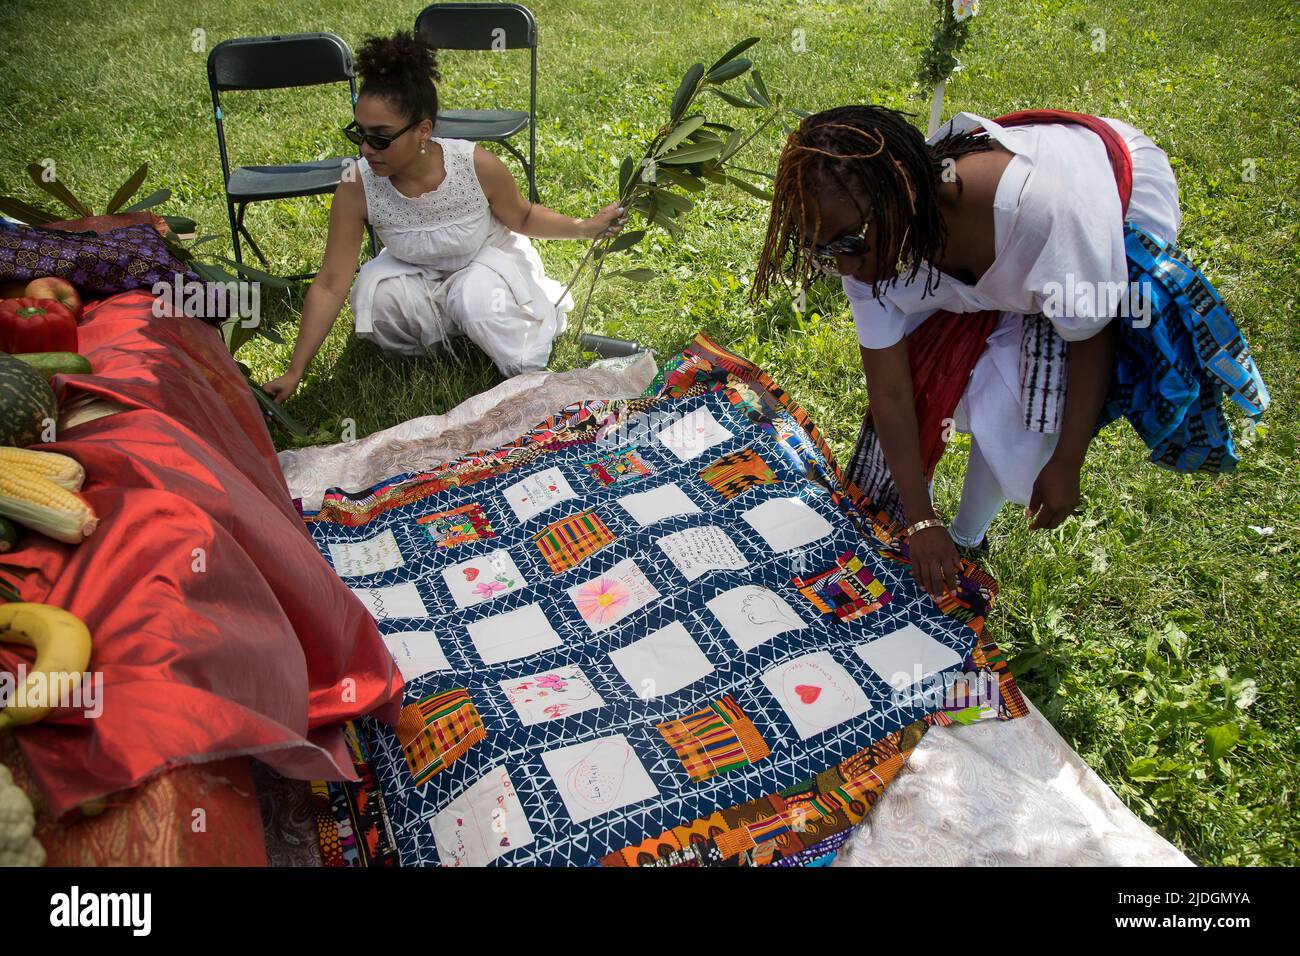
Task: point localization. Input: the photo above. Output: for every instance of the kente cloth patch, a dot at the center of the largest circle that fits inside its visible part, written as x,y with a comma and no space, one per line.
461,525
437,730
847,590
567,543
737,472
714,740
619,467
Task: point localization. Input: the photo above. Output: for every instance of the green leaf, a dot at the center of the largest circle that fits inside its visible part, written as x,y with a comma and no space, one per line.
149,201
692,154
634,275
625,240
625,171
728,71
734,52
58,191
756,94
1144,769
733,99
127,189
729,149
1219,740
690,82
721,127
750,188
277,412
679,203
676,177
275,282
761,87
182,226
683,129
25,213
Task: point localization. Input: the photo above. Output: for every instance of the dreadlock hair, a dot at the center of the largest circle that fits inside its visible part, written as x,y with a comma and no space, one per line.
402,69
869,153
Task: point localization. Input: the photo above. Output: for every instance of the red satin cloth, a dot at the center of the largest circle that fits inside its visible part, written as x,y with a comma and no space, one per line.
943,349
251,645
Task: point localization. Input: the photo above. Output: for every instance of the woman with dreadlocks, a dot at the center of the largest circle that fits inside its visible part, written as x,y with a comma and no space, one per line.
983,269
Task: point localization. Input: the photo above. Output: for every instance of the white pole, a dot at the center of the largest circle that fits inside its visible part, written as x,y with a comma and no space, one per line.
936,108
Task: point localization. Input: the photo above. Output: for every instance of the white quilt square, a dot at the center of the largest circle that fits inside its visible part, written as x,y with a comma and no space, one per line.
816,693
373,555
653,506
483,578
662,663
598,776
534,494
551,695
483,823
693,434
697,551
399,600
416,653
754,615
907,656
607,598
514,634
787,523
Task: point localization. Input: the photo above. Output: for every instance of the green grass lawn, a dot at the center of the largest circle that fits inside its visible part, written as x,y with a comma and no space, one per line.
1157,631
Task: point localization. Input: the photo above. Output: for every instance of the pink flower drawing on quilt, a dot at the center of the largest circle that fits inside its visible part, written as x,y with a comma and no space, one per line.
600,601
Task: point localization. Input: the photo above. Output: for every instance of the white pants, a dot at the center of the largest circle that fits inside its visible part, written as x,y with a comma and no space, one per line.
414,312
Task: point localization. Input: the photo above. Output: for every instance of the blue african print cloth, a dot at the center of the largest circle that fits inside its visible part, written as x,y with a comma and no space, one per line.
1174,367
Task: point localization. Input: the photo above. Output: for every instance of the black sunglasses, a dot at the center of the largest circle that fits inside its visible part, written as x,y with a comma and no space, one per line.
853,245
376,140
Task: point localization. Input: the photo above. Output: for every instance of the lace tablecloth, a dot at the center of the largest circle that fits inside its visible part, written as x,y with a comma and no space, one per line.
999,793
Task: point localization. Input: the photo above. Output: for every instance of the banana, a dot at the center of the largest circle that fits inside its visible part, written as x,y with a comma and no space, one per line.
62,645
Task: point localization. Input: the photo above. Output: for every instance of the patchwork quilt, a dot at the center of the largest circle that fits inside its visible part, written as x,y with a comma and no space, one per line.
658,631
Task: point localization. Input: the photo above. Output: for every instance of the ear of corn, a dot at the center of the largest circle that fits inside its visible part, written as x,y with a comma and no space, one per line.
65,472
40,504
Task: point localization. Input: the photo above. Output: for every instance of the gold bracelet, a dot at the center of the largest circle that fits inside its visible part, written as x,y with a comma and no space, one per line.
923,524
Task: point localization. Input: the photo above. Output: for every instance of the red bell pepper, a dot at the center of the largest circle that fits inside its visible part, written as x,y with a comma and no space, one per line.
37,325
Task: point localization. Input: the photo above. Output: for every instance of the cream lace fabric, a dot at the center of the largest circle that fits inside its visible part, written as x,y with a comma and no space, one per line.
492,418
1002,793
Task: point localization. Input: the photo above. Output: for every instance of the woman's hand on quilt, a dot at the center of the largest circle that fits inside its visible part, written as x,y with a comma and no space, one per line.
1055,494
606,223
284,386
935,562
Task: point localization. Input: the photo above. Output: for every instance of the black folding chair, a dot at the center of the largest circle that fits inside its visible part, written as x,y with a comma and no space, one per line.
487,26
268,63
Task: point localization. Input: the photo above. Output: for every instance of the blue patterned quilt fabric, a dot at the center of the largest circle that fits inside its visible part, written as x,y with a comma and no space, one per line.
624,635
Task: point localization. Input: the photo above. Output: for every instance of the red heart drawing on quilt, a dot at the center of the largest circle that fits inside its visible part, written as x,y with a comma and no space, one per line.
807,693
471,574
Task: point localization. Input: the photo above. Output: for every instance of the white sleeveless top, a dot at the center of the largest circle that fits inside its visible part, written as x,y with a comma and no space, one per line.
445,227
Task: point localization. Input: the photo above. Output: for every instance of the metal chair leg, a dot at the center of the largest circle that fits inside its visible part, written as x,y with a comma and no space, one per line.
251,241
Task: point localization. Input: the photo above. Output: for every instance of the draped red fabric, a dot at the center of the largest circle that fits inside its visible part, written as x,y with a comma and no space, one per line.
218,629
944,348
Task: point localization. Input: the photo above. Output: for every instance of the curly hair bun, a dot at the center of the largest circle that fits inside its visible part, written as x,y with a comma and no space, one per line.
402,58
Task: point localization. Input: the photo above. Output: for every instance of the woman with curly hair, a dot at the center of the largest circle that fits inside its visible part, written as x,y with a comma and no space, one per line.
984,269
456,257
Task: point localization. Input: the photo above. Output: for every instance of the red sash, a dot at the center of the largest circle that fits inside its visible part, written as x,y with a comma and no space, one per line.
943,350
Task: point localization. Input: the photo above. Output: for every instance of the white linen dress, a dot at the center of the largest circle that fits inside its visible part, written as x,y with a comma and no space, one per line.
1057,219
449,267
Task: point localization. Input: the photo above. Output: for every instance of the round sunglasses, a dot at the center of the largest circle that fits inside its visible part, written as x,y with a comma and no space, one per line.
375,140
